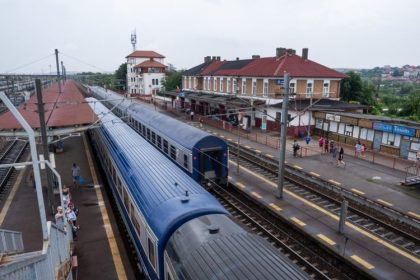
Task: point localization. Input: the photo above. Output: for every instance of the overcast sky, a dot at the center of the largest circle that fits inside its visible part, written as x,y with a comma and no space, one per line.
351,34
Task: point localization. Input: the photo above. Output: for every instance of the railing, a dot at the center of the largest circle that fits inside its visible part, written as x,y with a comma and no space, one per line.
53,262
10,242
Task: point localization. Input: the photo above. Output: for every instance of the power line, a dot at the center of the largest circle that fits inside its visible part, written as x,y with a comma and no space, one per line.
84,62
27,64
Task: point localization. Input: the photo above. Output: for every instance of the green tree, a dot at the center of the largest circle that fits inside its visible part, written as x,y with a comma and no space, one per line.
173,80
351,87
121,77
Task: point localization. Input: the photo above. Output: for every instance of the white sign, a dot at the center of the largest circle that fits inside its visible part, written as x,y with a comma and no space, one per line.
332,117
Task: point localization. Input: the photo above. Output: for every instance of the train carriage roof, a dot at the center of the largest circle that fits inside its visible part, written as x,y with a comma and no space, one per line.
156,184
188,136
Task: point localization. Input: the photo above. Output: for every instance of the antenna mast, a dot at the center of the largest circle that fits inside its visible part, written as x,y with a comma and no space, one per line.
134,40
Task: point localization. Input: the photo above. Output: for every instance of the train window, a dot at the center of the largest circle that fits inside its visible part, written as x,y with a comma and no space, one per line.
119,185
186,161
159,142
144,130
153,137
165,146
148,134
151,252
136,223
173,152
126,200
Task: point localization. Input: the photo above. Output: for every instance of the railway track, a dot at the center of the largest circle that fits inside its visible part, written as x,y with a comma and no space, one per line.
311,256
379,223
10,154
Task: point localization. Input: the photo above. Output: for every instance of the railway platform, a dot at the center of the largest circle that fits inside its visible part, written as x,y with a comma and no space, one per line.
100,249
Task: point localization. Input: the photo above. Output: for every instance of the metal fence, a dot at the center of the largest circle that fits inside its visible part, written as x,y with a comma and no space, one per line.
10,242
53,262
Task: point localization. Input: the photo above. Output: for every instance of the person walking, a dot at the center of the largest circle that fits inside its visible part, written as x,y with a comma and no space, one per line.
75,173
341,158
334,152
326,145
363,150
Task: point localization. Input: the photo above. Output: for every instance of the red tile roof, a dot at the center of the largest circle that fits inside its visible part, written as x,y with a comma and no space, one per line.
150,63
152,54
267,67
61,110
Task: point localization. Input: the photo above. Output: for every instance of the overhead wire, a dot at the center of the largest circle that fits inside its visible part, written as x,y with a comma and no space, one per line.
28,64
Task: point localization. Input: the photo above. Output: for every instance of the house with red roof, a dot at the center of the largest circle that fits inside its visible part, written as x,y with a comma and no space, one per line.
145,72
257,84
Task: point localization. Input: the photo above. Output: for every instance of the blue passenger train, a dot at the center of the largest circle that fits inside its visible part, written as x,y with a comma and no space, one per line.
200,154
179,230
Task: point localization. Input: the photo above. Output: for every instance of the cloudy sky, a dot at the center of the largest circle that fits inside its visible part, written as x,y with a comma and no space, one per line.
94,35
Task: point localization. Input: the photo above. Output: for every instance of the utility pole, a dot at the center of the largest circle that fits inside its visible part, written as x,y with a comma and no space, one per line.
310,116
283,135
343,215
63,72
44,139
58,70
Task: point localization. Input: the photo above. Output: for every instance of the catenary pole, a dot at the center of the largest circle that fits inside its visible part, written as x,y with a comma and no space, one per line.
35,162
44,139
58,70
283,135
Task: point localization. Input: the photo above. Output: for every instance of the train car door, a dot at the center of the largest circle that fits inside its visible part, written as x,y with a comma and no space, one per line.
210,163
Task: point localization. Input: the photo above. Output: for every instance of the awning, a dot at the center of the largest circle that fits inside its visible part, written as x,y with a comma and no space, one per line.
226,100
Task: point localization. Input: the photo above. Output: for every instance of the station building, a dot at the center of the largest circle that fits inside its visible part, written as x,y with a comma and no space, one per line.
253,86
145,72
381,134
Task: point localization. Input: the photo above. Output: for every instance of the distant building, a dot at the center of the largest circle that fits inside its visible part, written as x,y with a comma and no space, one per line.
219,86
145,72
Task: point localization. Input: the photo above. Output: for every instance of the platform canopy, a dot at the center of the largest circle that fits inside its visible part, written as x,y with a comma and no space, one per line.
65,112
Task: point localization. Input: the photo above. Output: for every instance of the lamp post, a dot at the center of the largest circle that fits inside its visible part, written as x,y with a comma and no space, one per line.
237,154
283,134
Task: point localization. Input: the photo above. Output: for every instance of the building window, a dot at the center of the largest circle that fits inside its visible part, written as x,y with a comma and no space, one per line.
221,85
228,85
292,87
391,139
326,90
195,82
208,83
157,82
214,84
243,86
254,88
235,86
265,89
309,86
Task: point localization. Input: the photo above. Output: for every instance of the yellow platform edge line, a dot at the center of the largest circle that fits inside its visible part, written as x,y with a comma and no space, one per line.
116,256
314,173
326,239
335,217
415,215
256,194
357,191
384,202
362,261
297,221
275,207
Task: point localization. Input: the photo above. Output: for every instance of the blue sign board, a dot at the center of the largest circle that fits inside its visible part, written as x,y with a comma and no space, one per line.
397,129
407,131
382,127
280,82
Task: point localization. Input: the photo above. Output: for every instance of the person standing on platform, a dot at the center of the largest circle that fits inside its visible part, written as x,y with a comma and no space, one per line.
334,152
321,144
75,173
357,149
363,150
192,115
341,158
59,218
326,145
296,148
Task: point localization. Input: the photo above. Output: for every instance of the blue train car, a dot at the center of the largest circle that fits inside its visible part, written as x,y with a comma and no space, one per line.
200,154
179,230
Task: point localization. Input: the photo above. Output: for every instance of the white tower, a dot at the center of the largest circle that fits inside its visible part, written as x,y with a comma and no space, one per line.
134,40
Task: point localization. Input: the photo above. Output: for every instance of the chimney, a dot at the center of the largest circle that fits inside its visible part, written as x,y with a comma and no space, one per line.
213,58
237,58
280,52
218,58
255,56
207,58
291,51
305,53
